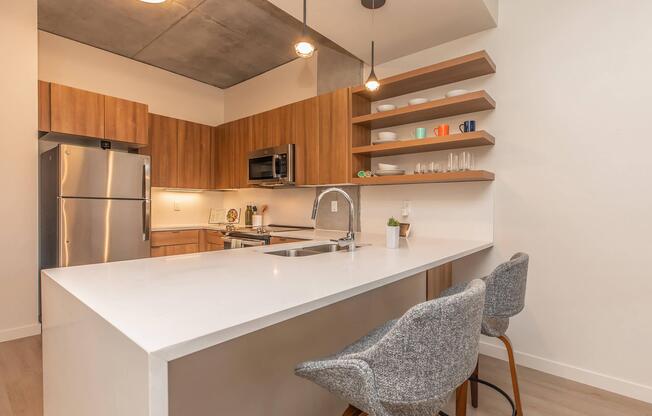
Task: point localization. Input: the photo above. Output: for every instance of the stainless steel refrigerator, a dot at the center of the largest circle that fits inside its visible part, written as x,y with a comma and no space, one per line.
94,206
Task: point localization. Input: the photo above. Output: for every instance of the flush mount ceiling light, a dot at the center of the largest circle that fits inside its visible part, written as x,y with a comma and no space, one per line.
153,1
304,47
372,83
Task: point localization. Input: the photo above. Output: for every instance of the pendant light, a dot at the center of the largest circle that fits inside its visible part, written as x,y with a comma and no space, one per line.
372,83
304,48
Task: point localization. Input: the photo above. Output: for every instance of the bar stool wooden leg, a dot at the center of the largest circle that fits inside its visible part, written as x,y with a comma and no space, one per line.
353,411
512,369
474,386
460,399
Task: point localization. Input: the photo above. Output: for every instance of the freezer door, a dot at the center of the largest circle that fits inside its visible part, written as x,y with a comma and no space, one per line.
96,173
102,230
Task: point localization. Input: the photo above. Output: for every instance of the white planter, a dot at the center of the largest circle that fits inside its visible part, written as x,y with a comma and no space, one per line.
393,234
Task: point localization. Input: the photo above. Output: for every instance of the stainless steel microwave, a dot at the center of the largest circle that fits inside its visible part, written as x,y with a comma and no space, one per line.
273,166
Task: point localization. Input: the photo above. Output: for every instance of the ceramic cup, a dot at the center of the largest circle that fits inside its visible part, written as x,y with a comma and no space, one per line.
467,126
420,133
442,130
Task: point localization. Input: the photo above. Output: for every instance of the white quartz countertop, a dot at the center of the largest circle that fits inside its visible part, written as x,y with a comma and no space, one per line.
174,306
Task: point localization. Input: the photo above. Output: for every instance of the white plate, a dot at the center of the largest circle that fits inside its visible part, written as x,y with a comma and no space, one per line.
387,166
385,107
390,172
417,101
387,135
455,93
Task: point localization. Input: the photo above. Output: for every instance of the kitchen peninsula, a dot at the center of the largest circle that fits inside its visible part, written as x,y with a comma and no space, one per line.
220,332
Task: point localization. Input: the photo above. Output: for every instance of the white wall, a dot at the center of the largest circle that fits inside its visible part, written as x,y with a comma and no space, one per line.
572,181
193,207
18,170
71,63
289,83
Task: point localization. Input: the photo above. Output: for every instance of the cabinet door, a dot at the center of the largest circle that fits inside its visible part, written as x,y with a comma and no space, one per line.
266,129
43,106
236,144
162,149
335,138
194,155
125,121
223,163
305,136
78,112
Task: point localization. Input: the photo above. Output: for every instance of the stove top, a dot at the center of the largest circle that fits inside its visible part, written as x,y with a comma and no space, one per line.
263,231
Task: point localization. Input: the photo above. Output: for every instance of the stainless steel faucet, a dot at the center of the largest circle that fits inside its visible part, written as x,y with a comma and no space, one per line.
349,240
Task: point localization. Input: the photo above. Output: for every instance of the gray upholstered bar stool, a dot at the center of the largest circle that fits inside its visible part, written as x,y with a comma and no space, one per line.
505,298
411,365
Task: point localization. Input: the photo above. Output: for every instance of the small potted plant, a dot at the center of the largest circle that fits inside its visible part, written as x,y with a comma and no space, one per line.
393,232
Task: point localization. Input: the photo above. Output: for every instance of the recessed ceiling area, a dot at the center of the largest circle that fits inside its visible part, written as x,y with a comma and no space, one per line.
401,27
218,42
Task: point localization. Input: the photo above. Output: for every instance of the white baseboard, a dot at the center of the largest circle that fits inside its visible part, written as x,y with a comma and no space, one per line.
570,372
20,332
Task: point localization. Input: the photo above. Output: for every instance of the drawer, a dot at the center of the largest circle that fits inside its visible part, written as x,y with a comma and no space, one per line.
174,249
283,240
214,237
171,238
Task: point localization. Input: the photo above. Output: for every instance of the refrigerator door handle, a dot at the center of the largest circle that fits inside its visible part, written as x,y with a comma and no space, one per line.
146,220
147,174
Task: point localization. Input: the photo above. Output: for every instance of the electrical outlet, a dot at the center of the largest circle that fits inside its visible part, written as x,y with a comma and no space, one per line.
333,206
405,211
176,206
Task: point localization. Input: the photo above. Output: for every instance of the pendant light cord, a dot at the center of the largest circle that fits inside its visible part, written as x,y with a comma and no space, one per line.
373,34
305,16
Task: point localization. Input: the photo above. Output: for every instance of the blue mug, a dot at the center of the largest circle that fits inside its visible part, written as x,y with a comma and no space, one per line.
467,126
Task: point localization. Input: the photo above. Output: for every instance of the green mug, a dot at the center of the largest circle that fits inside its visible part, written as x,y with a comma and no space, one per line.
420,132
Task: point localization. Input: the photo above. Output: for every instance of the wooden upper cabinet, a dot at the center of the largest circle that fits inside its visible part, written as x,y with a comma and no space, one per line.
44,106
163,149
194,149
75,111
305,136
220,153
125,121
335,138
239,134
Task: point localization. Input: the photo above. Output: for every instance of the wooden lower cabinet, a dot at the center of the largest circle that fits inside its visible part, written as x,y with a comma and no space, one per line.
174,249
170,243
214,240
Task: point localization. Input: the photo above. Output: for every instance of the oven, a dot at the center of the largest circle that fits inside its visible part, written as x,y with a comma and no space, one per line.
273,166
236,240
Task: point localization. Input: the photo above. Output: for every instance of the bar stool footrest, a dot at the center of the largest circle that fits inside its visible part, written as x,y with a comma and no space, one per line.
493,387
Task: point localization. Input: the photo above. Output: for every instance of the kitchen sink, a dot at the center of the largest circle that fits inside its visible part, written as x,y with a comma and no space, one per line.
308,251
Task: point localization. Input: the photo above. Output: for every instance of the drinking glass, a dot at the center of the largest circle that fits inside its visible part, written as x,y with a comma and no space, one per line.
453,162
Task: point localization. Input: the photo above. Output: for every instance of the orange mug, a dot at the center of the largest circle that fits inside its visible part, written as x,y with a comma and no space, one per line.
442,130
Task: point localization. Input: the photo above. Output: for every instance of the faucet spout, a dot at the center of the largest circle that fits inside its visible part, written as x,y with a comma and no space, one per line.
350,236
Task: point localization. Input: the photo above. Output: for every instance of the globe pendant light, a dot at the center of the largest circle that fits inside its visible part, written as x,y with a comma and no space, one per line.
372,83
304,48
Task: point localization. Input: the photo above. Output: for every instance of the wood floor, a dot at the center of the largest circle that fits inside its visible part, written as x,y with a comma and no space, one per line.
543,395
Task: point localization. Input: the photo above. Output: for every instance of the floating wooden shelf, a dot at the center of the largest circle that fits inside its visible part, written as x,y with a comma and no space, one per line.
454,141
447,72
464,176
445,107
